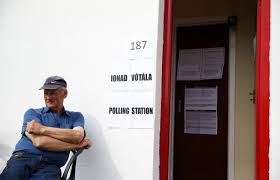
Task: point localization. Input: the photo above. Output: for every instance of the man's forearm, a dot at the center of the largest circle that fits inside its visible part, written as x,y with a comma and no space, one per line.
73,136
52,144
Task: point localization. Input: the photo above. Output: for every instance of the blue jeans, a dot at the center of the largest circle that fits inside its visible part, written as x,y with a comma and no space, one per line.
26,166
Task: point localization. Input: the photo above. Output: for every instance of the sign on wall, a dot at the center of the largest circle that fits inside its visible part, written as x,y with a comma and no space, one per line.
131,83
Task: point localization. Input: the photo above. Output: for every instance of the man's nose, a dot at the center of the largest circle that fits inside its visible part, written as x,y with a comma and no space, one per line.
48,96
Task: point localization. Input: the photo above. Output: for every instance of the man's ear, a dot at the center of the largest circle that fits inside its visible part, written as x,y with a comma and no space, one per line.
65,93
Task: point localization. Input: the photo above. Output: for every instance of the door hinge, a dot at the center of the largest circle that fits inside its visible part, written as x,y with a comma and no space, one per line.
252,96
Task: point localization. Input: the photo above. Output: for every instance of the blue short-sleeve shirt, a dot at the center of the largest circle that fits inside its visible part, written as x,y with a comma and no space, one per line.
47,117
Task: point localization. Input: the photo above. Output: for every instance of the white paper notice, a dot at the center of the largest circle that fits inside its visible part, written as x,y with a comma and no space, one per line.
213,63
201,122
189,64
131,110
201,64
200,111
201,98
130,83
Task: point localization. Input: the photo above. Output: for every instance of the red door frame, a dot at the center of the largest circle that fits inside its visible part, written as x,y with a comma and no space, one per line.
166,85
262,90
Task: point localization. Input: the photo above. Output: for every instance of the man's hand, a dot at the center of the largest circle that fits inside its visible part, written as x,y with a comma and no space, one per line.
33,127
85,144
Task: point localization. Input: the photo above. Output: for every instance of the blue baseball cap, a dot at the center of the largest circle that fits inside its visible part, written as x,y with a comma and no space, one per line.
54,82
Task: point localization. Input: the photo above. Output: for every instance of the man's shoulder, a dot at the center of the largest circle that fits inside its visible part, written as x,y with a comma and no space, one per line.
33,114
76,117
73,113
35,110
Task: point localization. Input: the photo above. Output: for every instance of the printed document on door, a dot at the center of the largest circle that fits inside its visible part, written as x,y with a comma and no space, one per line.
200,110
200,64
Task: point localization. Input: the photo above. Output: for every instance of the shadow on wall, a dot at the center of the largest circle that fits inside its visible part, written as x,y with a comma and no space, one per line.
96,162
5,154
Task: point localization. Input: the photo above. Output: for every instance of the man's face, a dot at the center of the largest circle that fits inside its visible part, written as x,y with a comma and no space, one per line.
54,98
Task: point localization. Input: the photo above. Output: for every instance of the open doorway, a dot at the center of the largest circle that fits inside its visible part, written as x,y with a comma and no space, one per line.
201,102
200,156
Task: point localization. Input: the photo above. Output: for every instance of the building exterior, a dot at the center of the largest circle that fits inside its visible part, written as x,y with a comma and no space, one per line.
121,60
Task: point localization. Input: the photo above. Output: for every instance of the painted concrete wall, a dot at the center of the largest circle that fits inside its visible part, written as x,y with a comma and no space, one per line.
84,41
274,156
244,129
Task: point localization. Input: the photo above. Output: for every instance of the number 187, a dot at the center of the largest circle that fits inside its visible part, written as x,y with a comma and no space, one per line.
138,45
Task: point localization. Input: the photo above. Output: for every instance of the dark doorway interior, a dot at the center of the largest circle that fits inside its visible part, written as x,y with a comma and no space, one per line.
202,156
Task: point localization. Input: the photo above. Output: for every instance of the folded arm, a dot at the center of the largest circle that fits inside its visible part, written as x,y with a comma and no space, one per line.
72,136
53,144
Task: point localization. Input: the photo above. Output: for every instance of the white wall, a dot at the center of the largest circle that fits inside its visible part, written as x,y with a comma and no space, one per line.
274,156
85,41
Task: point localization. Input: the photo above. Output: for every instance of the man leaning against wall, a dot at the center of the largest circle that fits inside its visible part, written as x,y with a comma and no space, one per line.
48,135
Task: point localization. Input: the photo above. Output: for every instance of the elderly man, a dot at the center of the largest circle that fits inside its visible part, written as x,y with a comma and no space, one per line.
48,134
